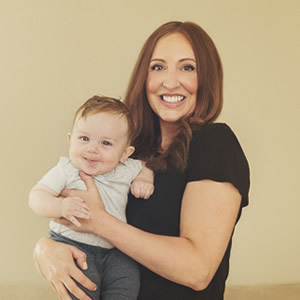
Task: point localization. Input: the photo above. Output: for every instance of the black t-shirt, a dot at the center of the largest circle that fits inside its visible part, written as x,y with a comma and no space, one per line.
215,154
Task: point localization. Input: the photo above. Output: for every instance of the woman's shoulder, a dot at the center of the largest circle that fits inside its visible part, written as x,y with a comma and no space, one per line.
214,132
213,128
216,154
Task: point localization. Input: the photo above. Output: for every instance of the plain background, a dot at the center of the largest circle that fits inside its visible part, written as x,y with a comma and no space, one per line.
55,54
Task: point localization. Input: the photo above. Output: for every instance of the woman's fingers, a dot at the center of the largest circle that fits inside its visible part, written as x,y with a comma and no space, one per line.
67,286
61,291
77,275
80,258
92,191
65,281
73,288
89,182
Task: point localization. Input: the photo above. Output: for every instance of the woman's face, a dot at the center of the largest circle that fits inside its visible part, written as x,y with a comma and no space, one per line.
172,81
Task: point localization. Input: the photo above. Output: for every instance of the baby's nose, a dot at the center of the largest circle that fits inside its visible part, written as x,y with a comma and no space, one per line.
93,148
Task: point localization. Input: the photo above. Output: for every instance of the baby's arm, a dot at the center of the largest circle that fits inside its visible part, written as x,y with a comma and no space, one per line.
142,186
47,203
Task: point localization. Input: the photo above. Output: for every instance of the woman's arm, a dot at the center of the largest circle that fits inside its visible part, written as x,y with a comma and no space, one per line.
208,215
56,262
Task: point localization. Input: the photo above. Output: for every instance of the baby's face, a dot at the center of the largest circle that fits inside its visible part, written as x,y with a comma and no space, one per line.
99,142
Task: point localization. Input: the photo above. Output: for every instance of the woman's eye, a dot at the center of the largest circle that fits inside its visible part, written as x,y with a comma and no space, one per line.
106,143
156,67
84,138
188,68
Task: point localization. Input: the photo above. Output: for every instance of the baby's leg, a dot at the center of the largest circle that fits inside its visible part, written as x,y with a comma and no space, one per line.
92,272
121,277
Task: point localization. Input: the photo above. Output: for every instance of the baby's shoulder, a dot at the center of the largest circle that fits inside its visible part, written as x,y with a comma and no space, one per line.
66,164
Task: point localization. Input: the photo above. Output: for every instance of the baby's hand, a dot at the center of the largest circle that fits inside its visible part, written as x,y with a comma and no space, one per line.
142,188
73,207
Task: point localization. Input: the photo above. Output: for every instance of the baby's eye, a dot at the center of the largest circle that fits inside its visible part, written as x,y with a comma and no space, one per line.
188,68
84,138
106,143
156,67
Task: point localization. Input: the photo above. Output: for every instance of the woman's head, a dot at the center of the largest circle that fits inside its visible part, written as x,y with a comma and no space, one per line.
209,95
208,66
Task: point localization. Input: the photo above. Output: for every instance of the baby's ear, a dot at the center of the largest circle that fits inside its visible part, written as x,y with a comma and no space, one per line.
69,136
127,152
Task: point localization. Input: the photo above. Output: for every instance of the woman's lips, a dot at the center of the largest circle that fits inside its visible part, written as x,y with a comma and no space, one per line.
172,99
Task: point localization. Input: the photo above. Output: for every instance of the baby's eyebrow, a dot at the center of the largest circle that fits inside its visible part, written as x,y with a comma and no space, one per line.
108,138
82,132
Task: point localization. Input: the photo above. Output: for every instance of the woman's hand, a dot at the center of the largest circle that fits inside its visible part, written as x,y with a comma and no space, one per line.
56,262
93,201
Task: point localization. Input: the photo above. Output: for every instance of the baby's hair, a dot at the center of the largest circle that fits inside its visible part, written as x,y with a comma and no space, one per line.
100,104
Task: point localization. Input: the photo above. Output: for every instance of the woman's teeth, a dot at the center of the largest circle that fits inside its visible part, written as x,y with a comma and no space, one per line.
172,99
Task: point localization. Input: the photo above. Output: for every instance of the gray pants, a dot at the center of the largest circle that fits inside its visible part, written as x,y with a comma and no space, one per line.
116,275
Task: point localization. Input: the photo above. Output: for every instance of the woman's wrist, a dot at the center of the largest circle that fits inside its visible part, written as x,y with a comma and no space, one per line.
102,224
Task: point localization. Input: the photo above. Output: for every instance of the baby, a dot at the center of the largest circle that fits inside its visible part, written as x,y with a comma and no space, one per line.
100,145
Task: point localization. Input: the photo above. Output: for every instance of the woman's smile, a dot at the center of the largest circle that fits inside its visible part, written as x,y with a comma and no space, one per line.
172,99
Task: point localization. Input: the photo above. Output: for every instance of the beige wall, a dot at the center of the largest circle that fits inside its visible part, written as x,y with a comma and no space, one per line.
56,53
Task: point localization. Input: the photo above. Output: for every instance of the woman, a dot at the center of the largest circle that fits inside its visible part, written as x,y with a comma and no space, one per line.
182,235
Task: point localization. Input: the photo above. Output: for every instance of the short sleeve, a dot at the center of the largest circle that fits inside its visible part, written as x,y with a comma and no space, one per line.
56,178
215,154
134,167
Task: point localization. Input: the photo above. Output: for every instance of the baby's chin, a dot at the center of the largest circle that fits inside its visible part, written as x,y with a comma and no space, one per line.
91,173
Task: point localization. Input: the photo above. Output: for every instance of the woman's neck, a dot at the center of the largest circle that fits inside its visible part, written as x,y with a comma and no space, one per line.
168,132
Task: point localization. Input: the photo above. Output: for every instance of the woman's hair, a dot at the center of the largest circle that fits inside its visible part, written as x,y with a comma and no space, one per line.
208,105
102,104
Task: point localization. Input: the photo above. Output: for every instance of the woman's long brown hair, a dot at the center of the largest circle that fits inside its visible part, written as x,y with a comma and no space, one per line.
209,97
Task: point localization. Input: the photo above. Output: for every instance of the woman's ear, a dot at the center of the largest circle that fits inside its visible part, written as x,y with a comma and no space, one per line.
127,152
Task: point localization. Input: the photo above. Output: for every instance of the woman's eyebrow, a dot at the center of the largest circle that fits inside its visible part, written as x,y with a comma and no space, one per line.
187,58
157,59
181,60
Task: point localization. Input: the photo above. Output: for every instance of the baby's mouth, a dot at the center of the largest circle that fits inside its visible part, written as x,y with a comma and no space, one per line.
91,160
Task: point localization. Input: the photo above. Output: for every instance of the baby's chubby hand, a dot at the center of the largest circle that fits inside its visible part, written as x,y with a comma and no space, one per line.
73,208
142,188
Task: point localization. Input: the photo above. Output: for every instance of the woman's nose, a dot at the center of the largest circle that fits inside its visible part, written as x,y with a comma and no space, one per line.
171,80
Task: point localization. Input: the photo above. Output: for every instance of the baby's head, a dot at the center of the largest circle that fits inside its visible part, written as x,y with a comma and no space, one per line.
101,135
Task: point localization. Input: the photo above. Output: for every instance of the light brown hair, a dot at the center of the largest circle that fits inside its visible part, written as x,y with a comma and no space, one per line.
209,97
100,104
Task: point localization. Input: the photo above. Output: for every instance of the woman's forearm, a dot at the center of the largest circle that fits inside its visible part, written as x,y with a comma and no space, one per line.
175,258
